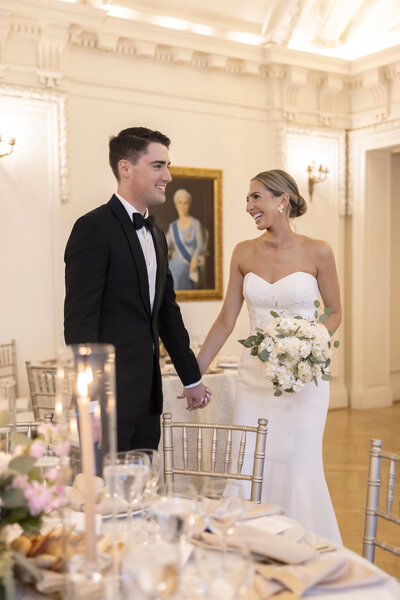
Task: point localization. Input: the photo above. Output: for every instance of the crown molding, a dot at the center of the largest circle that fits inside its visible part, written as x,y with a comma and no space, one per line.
59,101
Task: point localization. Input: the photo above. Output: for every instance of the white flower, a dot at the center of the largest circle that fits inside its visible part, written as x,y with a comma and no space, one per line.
304,371
266,344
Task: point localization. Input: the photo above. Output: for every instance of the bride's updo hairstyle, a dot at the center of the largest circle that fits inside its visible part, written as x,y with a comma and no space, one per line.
279,182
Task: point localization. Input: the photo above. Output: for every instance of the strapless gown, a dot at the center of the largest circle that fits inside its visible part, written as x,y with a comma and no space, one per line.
294,473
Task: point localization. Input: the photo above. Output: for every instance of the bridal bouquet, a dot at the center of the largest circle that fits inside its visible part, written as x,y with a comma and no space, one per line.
294,351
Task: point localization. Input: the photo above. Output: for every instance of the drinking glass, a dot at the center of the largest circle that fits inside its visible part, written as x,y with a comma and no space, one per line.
222,508
125,475
151,569
222,571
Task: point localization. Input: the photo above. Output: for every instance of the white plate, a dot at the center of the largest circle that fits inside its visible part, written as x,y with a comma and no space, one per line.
224,365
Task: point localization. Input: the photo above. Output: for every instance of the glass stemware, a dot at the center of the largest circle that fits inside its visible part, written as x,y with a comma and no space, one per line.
222,571
125,475
222,509
152,569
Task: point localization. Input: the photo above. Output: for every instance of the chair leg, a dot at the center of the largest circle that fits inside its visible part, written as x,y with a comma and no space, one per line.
371,520
259,457
168,452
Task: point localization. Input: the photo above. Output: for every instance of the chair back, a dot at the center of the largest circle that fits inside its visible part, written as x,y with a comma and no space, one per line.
42,388
381,510
210,467
8,363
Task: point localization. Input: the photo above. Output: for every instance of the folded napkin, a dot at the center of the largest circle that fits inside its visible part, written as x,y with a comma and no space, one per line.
104,505
267,544
253,511
333,573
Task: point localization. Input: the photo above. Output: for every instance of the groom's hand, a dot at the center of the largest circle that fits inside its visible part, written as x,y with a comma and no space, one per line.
198,396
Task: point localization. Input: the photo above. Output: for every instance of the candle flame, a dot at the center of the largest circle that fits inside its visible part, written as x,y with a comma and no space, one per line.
73,426
82,384
85,378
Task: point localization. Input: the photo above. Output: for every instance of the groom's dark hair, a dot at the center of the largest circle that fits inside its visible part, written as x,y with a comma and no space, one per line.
131,144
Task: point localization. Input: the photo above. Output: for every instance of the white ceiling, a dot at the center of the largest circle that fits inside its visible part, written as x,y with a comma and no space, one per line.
346,29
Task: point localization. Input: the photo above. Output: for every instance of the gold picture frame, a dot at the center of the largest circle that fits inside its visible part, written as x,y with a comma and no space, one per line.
194,235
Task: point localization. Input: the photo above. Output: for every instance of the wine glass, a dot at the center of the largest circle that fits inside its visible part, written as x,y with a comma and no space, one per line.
176,515
151,569
222,571
125,475
222,508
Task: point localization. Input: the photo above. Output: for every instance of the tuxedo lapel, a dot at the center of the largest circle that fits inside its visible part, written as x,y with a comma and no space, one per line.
160,267
136,249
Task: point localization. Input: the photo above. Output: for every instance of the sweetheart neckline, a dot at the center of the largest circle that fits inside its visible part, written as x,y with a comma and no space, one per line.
282,278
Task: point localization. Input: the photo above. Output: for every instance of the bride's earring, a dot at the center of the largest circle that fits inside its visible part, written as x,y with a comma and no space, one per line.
280,208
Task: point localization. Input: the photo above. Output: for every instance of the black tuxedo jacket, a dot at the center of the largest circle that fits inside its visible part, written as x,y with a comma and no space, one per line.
107,300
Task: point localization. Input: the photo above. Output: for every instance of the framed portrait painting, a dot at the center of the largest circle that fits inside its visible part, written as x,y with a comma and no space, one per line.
191,219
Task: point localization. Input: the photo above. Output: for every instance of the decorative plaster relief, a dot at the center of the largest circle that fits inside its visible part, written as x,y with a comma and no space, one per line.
60,104
389,130
337,137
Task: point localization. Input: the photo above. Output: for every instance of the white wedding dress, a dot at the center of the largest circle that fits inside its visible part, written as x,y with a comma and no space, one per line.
293,474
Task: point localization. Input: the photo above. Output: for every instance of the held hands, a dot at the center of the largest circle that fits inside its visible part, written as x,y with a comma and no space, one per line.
198,396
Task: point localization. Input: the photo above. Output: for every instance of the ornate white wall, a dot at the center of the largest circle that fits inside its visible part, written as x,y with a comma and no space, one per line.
225,105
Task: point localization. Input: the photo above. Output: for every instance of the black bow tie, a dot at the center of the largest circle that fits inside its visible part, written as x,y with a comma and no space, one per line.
139,221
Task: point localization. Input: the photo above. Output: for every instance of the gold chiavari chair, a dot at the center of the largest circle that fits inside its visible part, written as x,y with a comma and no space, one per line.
42,388
381,510
211,469
8,363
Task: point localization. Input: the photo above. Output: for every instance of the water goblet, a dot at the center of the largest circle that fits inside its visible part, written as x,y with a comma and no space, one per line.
125,475
152,569
222,509
222,571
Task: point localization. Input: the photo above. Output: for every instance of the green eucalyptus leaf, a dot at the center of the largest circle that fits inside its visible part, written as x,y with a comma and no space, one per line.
245,343
298,317
326,377
22,464
277,393
323,318
327,363
27,564
316,314
254,351
331,332
327,311
315,380
264,355
13,498
336,344
317,303
274,314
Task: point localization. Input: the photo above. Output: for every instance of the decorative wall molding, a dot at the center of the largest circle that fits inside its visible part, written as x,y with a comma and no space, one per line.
339,136
305,88
60,103
371,137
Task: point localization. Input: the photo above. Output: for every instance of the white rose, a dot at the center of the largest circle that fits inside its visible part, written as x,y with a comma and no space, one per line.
305,348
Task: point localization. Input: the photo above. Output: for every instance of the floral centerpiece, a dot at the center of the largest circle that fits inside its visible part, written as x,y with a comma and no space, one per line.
27,492
294,351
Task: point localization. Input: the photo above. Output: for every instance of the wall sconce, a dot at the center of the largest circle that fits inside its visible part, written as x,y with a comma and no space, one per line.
315,176
6,148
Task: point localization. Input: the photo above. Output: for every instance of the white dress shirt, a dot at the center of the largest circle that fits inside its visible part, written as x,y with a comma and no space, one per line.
149,253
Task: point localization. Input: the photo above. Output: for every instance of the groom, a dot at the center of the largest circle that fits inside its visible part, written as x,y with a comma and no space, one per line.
119,289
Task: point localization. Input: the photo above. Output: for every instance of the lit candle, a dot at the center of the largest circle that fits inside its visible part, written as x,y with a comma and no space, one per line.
87,454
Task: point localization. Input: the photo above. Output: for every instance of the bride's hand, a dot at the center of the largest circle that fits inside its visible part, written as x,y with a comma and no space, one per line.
198,396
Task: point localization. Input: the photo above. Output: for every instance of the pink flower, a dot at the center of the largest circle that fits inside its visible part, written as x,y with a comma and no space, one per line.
19,481
39,498
37,449
62,448
53,475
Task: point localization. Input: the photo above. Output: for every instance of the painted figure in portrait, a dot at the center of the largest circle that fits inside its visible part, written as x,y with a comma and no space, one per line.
186,244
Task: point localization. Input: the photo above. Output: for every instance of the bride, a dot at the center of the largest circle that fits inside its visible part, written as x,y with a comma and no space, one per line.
282,271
